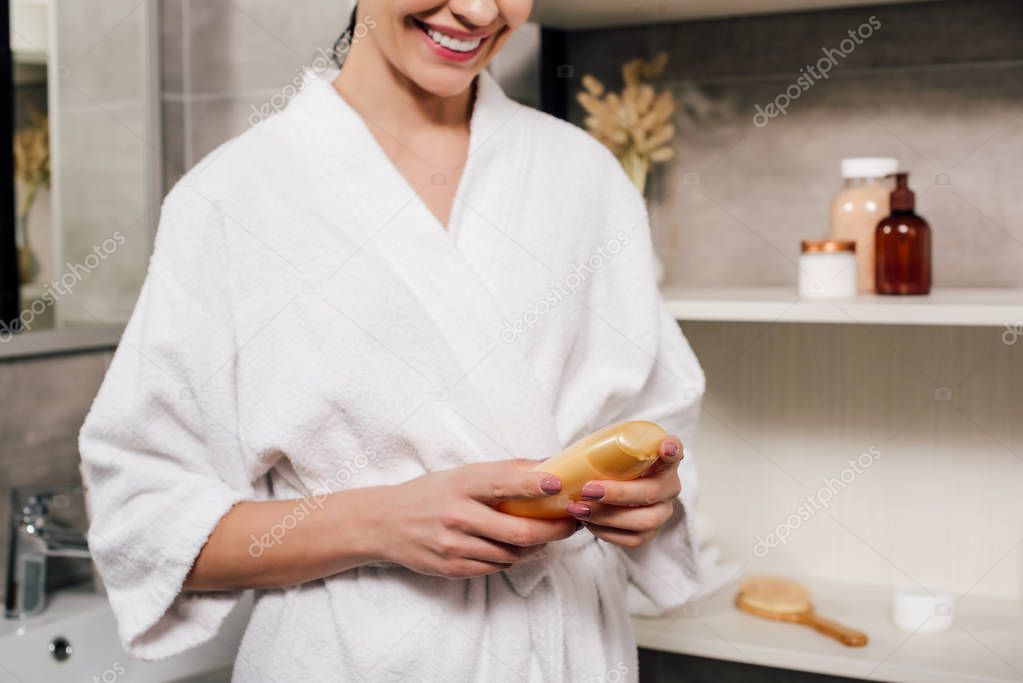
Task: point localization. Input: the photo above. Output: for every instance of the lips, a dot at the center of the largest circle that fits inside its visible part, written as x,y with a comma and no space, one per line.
454,45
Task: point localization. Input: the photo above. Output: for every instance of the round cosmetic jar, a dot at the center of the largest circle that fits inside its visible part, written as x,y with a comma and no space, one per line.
920,611
827,269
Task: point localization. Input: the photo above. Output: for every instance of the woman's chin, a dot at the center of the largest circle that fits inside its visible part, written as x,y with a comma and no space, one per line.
444,82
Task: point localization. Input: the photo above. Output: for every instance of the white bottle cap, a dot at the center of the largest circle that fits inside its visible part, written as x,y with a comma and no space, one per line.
869,167
920,611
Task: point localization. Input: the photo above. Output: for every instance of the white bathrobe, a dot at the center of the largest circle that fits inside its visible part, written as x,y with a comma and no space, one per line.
308,326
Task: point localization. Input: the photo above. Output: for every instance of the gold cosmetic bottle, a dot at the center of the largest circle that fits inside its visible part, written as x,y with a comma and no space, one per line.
620,452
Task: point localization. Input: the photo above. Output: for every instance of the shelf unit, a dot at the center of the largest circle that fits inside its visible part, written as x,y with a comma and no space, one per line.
981,647
952,307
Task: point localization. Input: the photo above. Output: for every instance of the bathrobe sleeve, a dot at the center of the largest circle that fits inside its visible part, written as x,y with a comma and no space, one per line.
162,459
631,361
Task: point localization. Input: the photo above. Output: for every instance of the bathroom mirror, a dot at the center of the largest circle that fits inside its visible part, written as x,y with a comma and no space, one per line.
85,127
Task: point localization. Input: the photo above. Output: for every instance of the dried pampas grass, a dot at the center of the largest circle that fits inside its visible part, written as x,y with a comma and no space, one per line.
636,123
32,159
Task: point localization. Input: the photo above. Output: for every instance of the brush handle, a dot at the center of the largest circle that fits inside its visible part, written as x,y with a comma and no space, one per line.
833,629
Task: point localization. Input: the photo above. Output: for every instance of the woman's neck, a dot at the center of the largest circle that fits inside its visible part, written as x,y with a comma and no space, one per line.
385,96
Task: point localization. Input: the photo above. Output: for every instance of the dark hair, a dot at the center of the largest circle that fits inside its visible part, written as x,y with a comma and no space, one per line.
344,42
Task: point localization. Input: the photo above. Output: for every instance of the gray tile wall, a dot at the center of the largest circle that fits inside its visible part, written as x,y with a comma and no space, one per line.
939,85
223,58
45,403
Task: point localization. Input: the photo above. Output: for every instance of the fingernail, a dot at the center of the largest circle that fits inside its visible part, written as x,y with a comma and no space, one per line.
550,485
593,492
578,509
671,449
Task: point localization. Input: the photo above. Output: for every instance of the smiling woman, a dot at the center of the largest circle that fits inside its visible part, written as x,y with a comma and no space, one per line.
329,411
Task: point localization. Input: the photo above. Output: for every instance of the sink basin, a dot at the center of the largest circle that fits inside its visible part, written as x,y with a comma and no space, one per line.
75,639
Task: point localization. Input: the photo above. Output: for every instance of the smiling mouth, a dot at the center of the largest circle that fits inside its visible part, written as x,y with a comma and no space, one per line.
460,45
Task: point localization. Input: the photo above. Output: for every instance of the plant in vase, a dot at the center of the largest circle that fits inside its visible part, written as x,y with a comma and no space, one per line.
32,172
634,124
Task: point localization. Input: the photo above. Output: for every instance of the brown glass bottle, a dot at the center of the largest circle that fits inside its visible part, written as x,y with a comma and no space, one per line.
902,246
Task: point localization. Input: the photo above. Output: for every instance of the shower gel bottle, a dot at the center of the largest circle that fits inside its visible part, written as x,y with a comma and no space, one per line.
620,452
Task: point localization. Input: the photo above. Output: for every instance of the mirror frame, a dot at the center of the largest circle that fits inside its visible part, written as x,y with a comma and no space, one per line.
10,297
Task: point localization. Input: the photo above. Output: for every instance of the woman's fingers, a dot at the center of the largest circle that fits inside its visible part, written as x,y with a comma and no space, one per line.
629,513
639,519
635,493
485,550
494,482
670,454
626,539
465,569
659,483
518,531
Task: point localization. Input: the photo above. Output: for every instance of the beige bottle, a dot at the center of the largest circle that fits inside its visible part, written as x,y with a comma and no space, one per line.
620,452
859,207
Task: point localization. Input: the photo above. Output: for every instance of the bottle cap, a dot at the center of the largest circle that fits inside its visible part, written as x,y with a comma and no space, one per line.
869,167
631,450
903,198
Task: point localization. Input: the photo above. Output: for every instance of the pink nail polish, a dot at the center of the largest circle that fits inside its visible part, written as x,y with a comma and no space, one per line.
593,492
578,509
550,485
671,449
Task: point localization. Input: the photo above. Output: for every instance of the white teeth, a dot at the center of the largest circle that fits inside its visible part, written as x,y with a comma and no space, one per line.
453,43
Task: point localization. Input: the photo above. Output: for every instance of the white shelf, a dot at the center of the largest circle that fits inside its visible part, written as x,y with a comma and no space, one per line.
982,647
572,14
955,307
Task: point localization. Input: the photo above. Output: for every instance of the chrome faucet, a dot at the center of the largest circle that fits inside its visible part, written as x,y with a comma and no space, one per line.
34,538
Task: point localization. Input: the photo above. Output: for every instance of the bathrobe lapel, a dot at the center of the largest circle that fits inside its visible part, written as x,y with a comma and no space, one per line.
398,228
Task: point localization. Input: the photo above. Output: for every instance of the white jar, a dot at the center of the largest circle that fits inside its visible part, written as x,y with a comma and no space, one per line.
828,269
921,611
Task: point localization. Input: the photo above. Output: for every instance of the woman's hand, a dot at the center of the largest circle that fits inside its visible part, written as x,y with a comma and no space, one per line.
441,523
630,513
444,523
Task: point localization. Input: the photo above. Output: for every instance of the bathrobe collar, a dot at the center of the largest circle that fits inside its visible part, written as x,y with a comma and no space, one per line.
393,223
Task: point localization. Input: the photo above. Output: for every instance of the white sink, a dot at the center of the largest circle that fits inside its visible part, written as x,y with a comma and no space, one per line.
84,621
